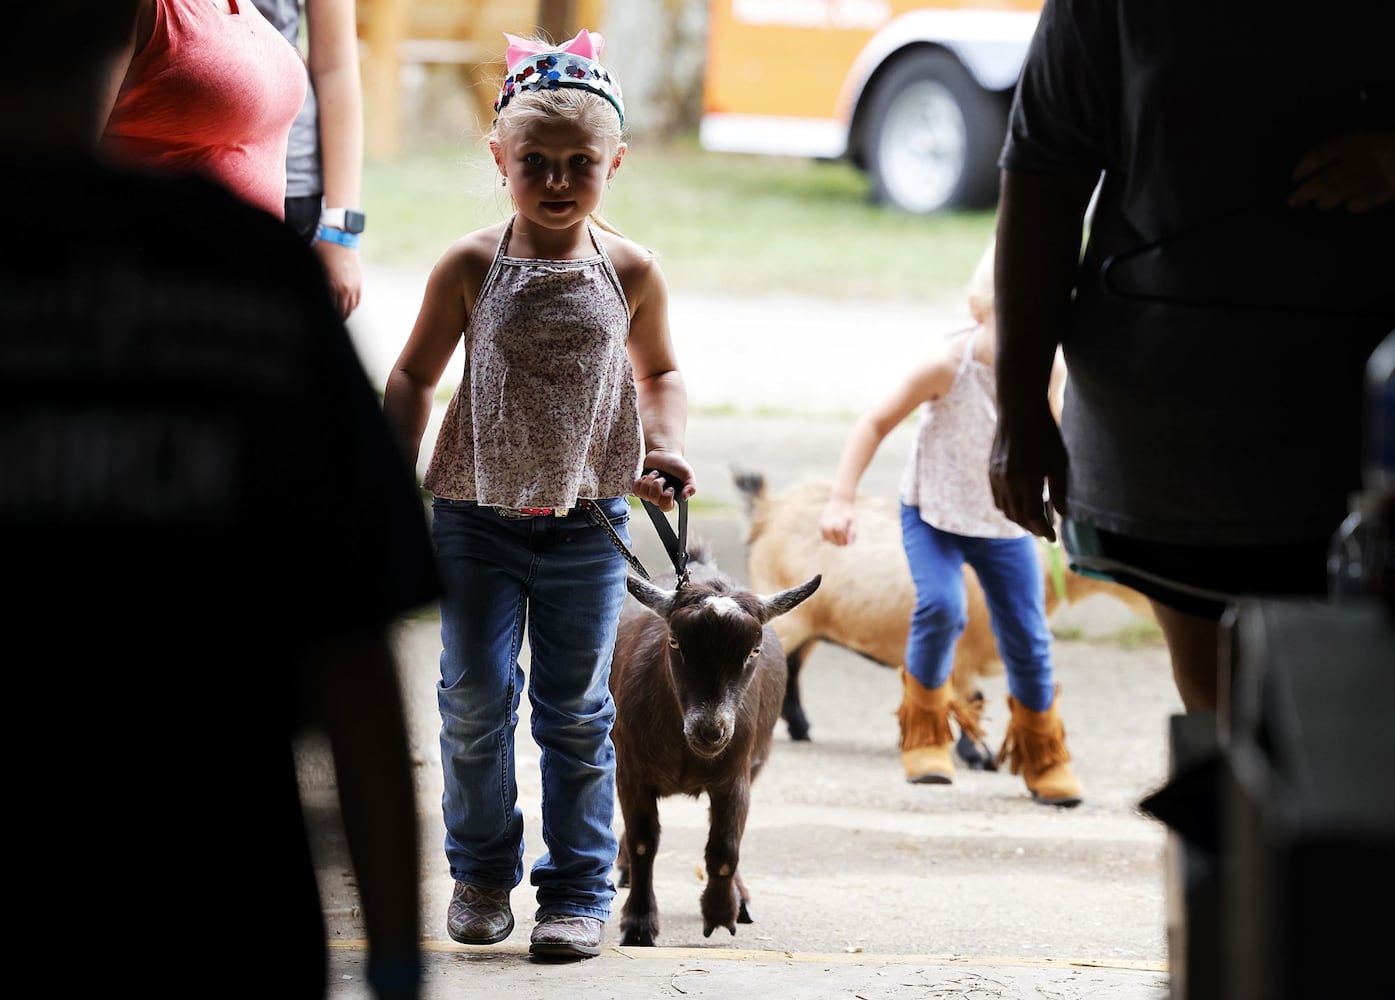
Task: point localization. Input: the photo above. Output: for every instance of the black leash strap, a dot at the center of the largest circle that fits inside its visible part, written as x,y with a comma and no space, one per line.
676,545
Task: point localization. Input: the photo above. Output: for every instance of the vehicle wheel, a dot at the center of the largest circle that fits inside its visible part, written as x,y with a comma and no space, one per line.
933,136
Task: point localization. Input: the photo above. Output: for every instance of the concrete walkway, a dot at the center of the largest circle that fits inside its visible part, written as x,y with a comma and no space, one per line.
651,973
773,385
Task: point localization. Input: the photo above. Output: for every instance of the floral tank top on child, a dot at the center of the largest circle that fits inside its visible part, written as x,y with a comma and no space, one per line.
946,475
547,411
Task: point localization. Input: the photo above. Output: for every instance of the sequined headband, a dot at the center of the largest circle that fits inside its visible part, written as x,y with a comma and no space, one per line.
536,66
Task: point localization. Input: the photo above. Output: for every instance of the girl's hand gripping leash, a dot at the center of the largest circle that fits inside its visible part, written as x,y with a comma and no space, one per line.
677,545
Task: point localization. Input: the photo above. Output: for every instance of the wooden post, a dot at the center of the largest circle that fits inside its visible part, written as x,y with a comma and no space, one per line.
589,14
557,19
382,75
465,33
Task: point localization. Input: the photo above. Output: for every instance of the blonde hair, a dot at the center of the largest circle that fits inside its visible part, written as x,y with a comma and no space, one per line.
981,285
591,111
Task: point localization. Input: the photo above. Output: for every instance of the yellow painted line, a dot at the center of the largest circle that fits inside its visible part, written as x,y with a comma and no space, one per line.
802,957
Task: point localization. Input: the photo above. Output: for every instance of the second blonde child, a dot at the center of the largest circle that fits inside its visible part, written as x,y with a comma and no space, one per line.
948,519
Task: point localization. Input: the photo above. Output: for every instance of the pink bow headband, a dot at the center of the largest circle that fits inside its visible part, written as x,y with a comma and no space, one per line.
537,66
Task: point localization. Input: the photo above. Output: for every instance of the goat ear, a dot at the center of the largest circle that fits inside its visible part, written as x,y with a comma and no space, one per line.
654,598
787,600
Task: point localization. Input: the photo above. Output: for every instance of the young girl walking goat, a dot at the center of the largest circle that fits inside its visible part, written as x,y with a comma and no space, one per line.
571,391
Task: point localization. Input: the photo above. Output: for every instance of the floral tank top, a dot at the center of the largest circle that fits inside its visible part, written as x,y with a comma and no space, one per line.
946,475
547,411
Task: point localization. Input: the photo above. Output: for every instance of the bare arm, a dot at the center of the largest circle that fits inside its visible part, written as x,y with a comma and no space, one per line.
1040,221
1056,390
440,323
332,33
144,27
663,395
838,521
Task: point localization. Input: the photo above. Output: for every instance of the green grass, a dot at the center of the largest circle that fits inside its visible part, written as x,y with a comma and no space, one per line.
1142,635
720,222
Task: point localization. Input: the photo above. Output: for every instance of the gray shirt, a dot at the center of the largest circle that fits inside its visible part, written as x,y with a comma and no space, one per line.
303,175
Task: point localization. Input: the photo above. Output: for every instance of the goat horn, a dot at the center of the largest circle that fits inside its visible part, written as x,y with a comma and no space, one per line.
787,600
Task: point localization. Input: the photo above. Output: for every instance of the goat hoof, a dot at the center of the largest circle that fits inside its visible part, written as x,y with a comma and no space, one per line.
798,730
795,720
975,754
744,916
636,938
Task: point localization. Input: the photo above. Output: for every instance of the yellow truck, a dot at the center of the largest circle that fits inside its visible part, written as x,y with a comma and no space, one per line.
916,94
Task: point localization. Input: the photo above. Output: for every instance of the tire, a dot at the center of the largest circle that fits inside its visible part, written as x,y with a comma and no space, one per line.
933,136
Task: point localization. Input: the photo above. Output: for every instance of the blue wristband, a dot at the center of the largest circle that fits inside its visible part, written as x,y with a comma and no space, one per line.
333,235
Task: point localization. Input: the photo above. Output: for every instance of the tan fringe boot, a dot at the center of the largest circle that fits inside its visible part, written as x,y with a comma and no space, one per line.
925,732
1035,746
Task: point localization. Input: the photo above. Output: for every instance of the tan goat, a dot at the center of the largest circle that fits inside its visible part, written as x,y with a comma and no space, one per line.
867,597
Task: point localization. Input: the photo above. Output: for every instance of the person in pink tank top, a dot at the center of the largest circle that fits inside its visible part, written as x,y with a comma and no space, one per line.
947,520
212,88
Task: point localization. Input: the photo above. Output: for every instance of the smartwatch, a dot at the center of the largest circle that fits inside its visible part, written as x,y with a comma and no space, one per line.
349,220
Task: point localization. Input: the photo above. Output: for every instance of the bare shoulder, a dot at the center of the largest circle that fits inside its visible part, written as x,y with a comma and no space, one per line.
625,252
933,375
637,266
474,251
458,274
945,355
461,269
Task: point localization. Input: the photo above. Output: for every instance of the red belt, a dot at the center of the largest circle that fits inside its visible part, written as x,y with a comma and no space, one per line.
522,512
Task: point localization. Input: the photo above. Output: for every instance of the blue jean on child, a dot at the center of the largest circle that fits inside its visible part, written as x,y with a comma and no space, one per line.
562,579
1011,576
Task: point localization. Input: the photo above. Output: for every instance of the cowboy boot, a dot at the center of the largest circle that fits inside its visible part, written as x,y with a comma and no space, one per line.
925,732
1035,746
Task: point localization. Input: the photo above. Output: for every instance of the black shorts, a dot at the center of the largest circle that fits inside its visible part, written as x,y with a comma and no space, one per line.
303,215
1197,579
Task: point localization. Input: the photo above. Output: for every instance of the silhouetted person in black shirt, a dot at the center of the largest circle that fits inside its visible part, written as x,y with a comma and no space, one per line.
207,533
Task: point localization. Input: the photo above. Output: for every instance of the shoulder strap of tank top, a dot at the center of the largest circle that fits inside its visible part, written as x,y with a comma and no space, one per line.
504,239
968,354
606,264
984,397
492,274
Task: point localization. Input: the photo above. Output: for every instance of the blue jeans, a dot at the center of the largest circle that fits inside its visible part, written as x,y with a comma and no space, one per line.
1011,576
567,572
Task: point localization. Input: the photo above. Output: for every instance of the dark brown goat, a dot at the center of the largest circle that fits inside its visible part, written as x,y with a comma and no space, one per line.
698,677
